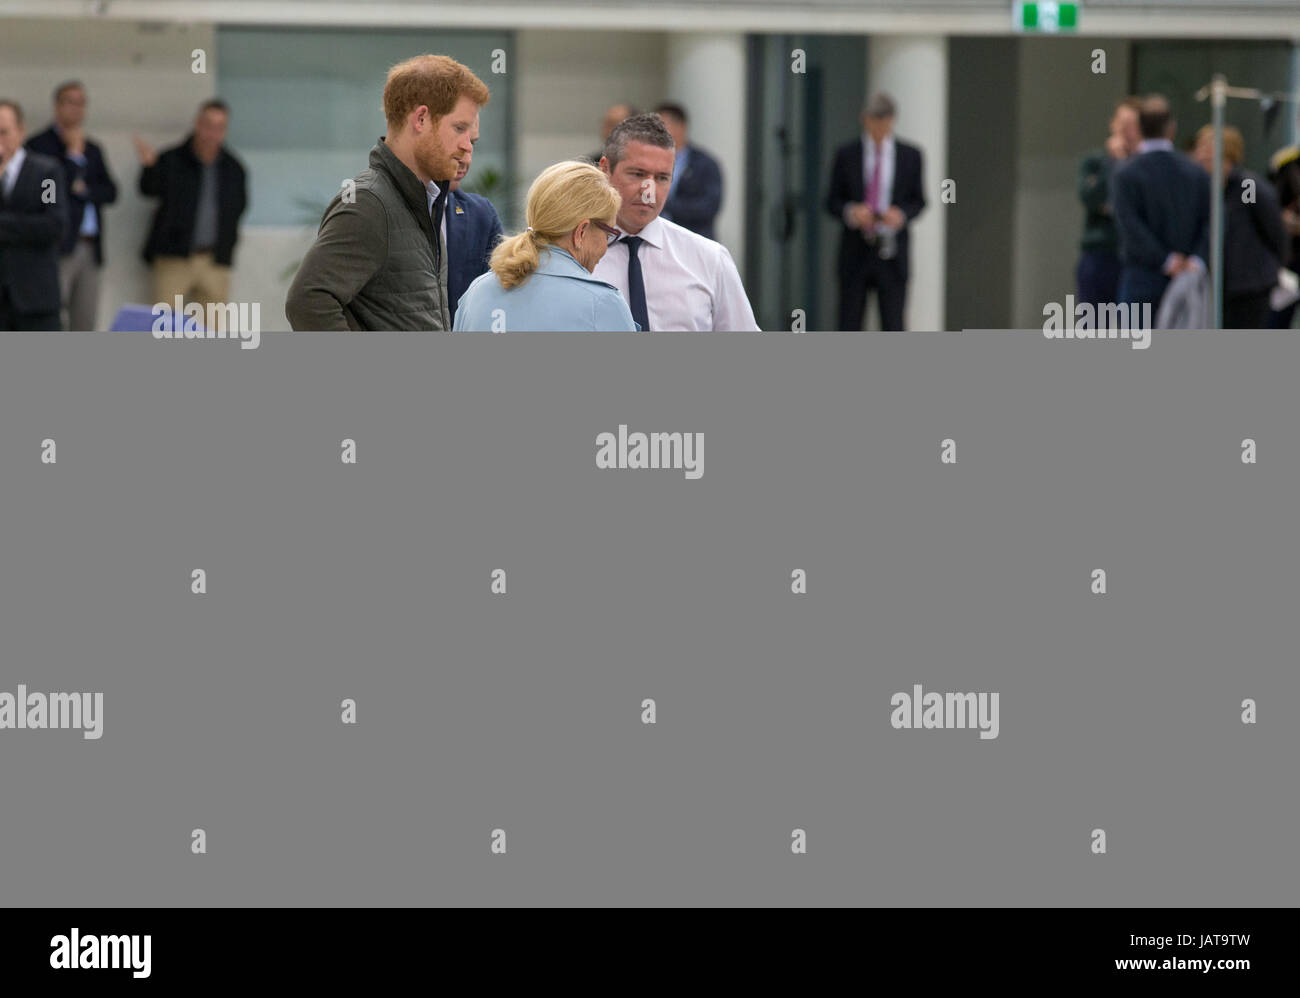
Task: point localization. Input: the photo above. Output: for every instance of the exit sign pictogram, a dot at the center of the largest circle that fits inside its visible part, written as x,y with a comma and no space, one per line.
1045,15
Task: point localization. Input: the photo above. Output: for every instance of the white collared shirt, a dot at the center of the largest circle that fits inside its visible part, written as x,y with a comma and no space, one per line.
12,170
886,172
691,283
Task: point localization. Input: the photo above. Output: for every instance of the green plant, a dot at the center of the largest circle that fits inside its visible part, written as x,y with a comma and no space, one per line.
495,185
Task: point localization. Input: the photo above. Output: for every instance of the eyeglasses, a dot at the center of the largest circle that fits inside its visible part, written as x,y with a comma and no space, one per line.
611,234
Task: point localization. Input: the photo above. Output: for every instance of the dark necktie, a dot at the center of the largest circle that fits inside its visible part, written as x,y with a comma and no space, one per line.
636,283
439,206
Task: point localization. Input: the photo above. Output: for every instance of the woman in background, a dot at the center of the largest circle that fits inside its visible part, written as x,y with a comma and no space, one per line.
1254,241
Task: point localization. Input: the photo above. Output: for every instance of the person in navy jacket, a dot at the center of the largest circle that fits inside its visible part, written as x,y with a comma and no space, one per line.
695,194
472,231
1161,203
91,187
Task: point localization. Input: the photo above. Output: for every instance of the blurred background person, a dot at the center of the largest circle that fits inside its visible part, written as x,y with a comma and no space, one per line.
1161,204
31,229
1254,240
614,115
876,190
202,192
1097,275
1284,172
471,229
695,195
672,278
542,279
91,187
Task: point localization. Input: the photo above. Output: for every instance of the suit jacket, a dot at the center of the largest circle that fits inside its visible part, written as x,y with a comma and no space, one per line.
473,231
697,195
1161,203
31,232
175,178
100,187
1254,241
848,185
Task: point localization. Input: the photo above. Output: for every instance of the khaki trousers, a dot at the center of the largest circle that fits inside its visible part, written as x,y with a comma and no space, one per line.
79,282
196,278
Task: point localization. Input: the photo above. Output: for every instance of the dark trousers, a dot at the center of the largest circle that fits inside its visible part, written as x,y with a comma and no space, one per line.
886,277
12,320
1248,311
1138,286
1097,278
1282,319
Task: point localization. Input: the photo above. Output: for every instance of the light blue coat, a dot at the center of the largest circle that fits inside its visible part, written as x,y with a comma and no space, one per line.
560,294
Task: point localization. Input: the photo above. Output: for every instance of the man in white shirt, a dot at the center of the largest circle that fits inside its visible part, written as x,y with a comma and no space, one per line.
672,279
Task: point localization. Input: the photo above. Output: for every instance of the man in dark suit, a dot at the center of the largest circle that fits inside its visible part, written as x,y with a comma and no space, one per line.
33,218
471,231
695,194
203,192
876,190
91,188
1161,203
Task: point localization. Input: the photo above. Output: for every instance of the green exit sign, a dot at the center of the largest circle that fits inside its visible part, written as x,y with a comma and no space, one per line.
1045,16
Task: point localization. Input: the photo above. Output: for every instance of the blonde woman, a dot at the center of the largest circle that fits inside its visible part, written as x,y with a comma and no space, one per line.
541,279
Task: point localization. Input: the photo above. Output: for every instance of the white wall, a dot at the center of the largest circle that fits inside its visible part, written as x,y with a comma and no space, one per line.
1156,18
706,75
566,79
914,69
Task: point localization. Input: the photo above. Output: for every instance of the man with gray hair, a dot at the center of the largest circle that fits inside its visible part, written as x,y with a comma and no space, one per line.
672,278
91,187
876,190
